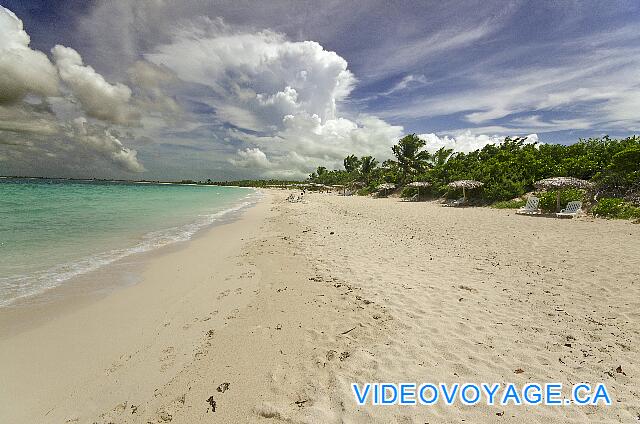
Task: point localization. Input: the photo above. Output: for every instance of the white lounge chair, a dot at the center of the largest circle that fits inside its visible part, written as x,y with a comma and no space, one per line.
573,209
460,202
413,198
531,208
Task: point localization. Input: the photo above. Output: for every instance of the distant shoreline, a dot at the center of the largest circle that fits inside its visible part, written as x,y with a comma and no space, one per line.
109,180
234,183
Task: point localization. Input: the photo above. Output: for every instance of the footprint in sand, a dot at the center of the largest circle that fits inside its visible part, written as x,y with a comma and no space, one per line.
224,293
166,412
164,415
202,350
121,407
168,358
118,364
344,355
223,387
248,274
233,315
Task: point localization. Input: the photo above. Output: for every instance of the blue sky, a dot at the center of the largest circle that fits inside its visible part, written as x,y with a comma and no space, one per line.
197,89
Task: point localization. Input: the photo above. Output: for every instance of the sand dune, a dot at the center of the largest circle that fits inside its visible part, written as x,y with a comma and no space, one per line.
294,302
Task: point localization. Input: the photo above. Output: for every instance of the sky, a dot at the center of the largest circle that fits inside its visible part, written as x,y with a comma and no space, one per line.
195,89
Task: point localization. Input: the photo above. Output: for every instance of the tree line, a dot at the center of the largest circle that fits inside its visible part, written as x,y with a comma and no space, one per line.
508,170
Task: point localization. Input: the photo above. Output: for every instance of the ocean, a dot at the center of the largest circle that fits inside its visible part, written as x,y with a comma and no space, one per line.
53,230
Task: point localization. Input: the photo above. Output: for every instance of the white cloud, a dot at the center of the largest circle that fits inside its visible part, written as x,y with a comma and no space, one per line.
99,99
31,133
466,142
329,142
103,142
282,95
42,130
536,122
150,83
407,81
22,70
400,55
306,142
593,84
30,120
257,77
251,158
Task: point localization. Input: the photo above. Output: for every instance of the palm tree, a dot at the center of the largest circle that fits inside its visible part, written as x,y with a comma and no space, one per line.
390,170
320,175
411,160
351,163
368,164
440,157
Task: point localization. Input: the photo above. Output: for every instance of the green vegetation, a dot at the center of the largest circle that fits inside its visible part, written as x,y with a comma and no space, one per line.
549,199
508,170
509,204
409,191
364,191
256,183
410,159
615,208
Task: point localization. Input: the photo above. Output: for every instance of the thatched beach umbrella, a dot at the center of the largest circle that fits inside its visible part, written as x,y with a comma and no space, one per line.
560,183
465,184
419,185
386,186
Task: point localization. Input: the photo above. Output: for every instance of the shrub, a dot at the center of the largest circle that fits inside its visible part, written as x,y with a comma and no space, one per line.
509,204
409,191
508,169
615,208
548,199
503,189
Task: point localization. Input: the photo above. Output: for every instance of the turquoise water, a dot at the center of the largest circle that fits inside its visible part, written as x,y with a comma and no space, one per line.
54,230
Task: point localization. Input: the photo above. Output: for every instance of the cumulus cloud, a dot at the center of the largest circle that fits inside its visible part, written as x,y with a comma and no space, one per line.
22,70
103,142
328,143
99,99
306,142
263,73
278,96
251,158
44,130
32,133
466,142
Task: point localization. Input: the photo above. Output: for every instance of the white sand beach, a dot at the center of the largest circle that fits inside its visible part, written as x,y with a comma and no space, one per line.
271,318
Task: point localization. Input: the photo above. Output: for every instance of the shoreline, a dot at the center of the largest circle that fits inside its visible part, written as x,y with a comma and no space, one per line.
82,316
303,299
120,271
